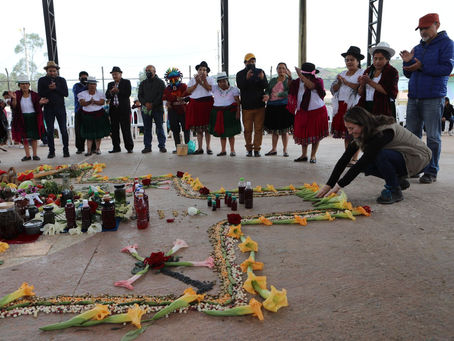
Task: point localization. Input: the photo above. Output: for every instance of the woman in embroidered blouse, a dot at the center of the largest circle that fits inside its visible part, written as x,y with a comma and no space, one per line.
278,120
225,115
305,99
200,104
378,85
95,124
27,125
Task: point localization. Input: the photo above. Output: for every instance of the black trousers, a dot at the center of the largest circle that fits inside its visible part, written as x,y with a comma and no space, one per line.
120,119
176,120
80,141
49,117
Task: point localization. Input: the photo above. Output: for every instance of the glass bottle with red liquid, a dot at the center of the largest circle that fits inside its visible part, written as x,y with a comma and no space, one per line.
234,204
141,211
108,214
218,201
241,188
86,216
70,213
226,198
248,195
229,200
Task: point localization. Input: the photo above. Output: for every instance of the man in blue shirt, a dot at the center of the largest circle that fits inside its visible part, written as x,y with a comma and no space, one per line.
77,88
428,66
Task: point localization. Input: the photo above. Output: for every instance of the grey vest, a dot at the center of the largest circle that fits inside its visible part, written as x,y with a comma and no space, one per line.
415,152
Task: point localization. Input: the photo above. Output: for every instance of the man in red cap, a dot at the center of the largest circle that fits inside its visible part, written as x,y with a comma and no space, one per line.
428,66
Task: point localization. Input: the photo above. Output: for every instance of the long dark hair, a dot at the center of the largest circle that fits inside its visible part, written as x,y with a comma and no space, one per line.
370,123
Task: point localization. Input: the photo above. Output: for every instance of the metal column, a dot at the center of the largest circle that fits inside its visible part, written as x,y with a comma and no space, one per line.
225,35
374,26
302,34
51,33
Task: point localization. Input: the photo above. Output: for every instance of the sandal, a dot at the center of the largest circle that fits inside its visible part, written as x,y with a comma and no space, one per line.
222,154
98,152
270,153
285,154
301,159
26,158
313,161
198,151
209,152
36,158
88,154
232,154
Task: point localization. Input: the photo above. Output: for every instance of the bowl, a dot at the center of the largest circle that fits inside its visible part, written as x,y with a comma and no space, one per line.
33,226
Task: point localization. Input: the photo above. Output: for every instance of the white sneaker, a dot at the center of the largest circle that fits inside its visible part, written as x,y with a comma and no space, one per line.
451,133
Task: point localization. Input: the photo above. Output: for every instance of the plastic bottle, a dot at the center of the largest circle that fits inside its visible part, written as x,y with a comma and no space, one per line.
141,210
145,197
135,184
234,204
86,216
209,200
226,198
70,213
218,201
108,214
248,195
241,188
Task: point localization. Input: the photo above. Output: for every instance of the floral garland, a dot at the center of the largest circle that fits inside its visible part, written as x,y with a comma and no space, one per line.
230,301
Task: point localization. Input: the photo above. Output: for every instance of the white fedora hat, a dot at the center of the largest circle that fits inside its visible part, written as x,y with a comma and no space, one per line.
383,45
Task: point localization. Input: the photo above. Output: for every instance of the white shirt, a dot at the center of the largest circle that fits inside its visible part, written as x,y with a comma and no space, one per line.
26,105
345,90
87,97
315,102
223,98
370,91
200,91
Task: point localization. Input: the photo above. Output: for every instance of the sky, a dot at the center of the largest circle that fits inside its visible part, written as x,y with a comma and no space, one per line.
132,34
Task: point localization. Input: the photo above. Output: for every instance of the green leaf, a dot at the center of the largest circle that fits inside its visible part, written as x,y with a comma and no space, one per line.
134,334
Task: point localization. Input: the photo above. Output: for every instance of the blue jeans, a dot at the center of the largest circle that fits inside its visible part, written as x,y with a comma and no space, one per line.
158,118
389,166
428,113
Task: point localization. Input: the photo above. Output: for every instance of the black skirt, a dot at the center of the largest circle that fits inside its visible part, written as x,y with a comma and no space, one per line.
278,120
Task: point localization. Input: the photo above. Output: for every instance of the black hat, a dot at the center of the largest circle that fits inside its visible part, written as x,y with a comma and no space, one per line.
353,51
308,67
204,63
116,69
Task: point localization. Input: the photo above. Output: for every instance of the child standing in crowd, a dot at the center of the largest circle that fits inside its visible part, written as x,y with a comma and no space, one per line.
225,115
448,113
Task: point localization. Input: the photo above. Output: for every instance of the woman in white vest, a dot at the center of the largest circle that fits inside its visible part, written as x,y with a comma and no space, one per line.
390,152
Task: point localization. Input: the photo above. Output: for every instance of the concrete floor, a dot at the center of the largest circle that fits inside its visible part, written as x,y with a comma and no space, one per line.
386,277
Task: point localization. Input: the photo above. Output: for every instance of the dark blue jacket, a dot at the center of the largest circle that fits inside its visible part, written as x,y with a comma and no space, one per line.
437,58
78,88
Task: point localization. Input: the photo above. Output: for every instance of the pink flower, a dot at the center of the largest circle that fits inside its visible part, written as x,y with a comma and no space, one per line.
177,244
128,283
130,248
209,263
163,187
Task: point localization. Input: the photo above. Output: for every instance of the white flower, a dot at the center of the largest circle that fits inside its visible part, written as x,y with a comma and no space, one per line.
193,211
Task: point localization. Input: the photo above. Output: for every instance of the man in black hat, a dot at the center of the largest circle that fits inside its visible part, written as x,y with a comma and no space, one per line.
150,95
54,88
118,92
252,83
77,88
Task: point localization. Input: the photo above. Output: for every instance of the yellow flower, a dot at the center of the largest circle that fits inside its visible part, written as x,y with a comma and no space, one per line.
251,262
248,245
169,175
292,188
24,290
314,187
148,176
105,178
3,247
11,185
235,231
328,216
258,189
271,188
254,308
276,300
135,315
97,313
360,211
300,220
247,285
265,221
221,190
189,295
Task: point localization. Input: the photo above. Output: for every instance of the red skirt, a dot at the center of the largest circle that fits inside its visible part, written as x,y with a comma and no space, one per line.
337,126
198,113
310,126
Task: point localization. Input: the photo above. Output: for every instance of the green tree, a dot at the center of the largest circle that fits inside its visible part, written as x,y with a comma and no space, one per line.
29,45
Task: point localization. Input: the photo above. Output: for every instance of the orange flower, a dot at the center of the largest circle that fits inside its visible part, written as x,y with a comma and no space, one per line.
251,262
247,285
300,220
235,231
265,221
248,245
276,300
